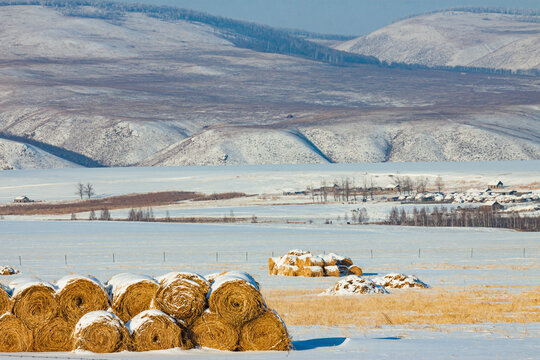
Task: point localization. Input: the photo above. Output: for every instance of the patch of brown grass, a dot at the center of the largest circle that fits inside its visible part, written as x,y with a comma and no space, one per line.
420,307
136,200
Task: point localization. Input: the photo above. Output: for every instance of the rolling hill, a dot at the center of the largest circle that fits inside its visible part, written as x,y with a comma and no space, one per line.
107,85
463,37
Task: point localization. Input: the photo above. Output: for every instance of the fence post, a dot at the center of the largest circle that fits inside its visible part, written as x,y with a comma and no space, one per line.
113,257
246,256
65,259
523,252
471,253
419,253
272,254
164,259
217,256
371,251
20,260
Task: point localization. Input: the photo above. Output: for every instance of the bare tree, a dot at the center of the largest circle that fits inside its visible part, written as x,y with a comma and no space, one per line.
73,216
80,190
421,184
167,216
89,190
439,184
92,215
105,215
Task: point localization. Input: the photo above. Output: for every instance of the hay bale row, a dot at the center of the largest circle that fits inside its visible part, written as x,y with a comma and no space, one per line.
178,310
303,263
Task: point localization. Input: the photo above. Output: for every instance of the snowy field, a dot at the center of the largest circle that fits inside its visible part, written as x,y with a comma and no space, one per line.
449,259
59,184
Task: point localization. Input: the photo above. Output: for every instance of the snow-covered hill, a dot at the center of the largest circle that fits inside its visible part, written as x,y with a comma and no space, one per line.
451,38
137,90
14,155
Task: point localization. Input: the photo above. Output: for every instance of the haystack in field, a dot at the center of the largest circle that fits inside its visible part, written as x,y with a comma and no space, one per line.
101,332
181,295
266,332
399,281
211,331
155,330
235,296
131,294
14,335
5,299
304,263
78,295
34,302
355,285
8,270
55,335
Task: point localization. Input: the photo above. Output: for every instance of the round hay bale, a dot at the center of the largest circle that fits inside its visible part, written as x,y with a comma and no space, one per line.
14,335
235,297
211,277
34,302
266,332
5,300
155,330
210,331
54,336
79,295
131,294
355,270
182,295
312,271
100,332
332,271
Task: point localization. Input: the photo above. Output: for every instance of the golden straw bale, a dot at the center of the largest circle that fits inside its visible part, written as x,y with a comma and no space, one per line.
182,295
101,332
272,264
297,252
55,335
313,271
344,261
14,335
355,270
131,294
8,270
235,297
210,331
155,330
5,300
34,302
266,332
79,295
332,271
288,270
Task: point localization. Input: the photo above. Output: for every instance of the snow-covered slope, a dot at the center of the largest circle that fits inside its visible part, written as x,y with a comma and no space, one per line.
138,90
14,155
453,38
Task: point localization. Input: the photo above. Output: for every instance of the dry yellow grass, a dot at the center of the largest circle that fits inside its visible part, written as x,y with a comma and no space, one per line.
421,307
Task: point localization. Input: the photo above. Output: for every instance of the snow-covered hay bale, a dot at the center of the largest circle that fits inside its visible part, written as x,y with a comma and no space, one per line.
34,302
355,285
266,332
155,330
14,335
235,297
211,331
312,271
354,270
55,335
101,332
298,252
211,277
182,295
334,259
399,281
79,295
288,270
332,271
131,294
272,268
5,300
309,260
8,270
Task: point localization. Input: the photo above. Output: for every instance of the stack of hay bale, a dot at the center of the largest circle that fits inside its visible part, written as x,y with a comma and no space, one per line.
304,263
138,313
355,285
400,281
8,270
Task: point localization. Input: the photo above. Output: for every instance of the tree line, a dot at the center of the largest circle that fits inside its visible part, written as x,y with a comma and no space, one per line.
463,217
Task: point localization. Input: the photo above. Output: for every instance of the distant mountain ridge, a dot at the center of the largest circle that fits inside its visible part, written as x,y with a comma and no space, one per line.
485,38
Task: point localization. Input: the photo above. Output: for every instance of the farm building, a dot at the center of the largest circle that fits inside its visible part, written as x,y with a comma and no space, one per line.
22,199
498,185
493,205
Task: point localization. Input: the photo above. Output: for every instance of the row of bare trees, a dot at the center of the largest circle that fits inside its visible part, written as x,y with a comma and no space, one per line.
85,190
408,185
463,217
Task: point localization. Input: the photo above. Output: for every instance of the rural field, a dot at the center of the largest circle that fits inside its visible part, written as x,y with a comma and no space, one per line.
483,296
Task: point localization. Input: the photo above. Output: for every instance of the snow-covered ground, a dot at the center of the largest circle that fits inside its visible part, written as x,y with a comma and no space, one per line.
59,184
